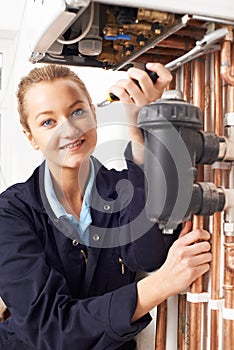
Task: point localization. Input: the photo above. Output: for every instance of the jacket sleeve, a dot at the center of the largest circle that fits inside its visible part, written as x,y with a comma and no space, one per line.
148,246
40,303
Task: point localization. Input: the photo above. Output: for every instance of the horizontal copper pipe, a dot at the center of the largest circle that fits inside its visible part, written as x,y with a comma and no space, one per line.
166,51
154,58
177,43
192,32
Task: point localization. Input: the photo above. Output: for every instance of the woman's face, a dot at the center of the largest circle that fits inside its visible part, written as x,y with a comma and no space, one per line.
61,121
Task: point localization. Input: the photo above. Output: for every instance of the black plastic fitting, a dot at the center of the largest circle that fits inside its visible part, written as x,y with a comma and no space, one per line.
174,144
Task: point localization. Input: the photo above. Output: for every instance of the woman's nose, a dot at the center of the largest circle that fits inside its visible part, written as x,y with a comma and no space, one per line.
70,129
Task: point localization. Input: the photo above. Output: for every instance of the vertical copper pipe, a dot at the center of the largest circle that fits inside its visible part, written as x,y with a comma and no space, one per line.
172,84
226,62
161,325
199,83
216,237
218,125
182,304
228,287
182,311
230,88
187,82
228,325
196,308
198,222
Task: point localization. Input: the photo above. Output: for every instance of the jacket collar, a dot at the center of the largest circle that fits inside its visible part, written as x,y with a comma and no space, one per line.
102,202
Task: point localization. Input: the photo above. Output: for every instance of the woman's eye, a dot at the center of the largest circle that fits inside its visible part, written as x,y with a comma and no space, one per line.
48,122
78,113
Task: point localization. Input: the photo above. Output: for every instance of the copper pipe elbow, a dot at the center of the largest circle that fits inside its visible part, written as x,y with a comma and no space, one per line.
226,62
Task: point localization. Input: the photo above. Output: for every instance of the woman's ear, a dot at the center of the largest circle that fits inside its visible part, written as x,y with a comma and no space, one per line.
31,139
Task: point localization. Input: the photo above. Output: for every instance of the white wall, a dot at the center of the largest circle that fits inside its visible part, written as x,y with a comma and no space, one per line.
14,154
18,158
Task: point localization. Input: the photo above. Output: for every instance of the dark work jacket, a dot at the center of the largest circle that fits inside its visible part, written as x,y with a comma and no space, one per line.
61,293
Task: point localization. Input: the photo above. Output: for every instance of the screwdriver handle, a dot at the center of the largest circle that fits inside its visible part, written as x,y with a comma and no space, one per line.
112,97
153,76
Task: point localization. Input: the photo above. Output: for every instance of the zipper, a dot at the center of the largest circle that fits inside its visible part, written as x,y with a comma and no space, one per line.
121,262
85,255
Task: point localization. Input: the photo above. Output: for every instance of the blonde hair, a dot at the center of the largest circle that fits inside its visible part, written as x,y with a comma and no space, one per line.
45,73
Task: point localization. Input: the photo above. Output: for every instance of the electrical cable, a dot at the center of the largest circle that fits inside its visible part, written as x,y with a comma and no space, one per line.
89,25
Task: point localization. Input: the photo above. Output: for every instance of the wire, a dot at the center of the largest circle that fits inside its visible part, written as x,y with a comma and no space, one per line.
89,25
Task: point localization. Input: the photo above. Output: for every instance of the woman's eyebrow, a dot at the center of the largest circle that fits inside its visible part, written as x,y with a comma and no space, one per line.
75,103
43,113
49,112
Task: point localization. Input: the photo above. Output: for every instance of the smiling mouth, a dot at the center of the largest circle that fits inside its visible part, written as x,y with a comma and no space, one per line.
73,144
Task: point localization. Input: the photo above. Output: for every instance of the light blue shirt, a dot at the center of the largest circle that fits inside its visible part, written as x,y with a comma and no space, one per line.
82,225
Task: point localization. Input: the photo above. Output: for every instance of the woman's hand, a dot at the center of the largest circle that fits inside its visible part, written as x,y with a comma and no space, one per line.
188,259
134,97
130,93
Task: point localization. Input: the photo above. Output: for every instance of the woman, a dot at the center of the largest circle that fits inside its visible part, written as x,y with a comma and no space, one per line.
74,234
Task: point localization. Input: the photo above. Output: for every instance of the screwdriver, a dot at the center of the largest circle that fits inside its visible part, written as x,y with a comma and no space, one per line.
205,45
112,97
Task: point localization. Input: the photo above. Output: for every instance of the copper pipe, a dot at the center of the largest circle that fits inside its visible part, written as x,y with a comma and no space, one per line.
230,88
218,125
177,43
161,326
182,310
172,84
196,308
187,82
199,83
192,32
198,221
228,287
155,58
228,325
216,237
209,100
167,51
207,177
226,59
182,304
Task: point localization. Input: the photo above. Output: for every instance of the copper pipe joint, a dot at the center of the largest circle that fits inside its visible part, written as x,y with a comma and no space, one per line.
226,59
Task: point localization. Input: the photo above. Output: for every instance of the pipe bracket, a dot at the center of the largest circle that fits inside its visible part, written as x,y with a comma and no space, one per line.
229,119
229,229
198,297
216,304
228,314
221,165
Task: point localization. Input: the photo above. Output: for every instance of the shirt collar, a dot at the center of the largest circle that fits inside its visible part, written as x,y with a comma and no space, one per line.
55,205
